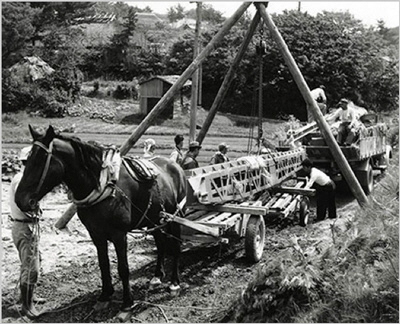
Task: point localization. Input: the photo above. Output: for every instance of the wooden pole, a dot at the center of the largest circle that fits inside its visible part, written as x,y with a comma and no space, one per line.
182,79
311,103
228,79
66,217
260,99
195,77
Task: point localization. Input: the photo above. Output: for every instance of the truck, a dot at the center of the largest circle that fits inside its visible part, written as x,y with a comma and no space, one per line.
369,152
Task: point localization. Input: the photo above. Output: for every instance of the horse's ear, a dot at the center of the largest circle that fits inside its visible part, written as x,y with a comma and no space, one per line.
34,133
50,133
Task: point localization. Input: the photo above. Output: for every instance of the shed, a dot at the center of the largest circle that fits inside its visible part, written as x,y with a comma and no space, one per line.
153,89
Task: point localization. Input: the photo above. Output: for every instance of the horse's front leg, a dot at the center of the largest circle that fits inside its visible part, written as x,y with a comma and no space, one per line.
120,244
104,263
160,241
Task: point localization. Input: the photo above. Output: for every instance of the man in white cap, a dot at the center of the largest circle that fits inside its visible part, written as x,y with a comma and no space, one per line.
220,156
189,161
348,122
25,234
149,148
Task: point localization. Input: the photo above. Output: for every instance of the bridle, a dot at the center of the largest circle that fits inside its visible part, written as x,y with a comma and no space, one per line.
49,152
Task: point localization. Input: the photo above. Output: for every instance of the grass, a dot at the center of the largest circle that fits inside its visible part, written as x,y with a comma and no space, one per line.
108,116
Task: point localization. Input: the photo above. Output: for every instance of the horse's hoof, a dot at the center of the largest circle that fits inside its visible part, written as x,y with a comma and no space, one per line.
174,290
100,305
155,281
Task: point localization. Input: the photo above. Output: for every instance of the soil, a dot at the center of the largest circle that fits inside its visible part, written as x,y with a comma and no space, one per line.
212,276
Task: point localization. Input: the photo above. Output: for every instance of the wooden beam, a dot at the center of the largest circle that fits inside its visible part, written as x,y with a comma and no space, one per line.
232,208
312,104
228,79
148,120
66,217
296,191
195,78
210,230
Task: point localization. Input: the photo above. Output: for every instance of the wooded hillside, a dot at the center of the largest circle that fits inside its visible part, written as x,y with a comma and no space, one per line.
331,48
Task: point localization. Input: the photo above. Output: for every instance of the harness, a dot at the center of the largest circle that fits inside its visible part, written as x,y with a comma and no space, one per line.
49,152
139,169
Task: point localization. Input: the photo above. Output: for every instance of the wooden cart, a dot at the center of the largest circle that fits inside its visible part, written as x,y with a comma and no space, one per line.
218,223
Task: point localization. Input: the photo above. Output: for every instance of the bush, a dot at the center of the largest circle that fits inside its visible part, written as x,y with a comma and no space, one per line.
47,97
123,91
53,109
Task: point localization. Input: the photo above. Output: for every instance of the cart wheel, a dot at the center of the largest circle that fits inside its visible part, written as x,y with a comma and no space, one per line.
303,212
255,238
369,186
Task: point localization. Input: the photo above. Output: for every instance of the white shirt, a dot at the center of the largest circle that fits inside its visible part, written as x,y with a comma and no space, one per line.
318,177
176,155
16,213
318,93
348,115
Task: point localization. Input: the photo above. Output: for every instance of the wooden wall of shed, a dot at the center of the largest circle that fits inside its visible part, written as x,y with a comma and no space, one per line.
153,88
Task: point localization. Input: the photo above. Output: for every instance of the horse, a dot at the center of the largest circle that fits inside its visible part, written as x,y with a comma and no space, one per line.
133,204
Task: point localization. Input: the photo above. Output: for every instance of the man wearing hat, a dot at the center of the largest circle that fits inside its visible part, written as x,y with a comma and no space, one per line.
25,234
220,156
177,154
348,122
318,94
189,161
324,187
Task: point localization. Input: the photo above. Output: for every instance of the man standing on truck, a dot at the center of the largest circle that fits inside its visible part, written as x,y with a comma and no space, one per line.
325,190
318,94
348,122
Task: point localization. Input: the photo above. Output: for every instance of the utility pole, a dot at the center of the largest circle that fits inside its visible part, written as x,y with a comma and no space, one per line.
195,77
299,7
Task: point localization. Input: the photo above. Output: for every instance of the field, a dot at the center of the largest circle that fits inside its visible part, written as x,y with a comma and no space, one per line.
213,277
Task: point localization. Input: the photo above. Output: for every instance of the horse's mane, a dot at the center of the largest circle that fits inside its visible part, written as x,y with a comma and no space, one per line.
89,156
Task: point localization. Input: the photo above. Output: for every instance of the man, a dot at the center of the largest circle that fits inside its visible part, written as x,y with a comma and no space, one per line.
325,190
177,154
25,234
189,161
348,123
220,156
149,148
318,94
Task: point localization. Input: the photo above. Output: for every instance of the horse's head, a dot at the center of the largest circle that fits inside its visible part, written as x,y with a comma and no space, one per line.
43,171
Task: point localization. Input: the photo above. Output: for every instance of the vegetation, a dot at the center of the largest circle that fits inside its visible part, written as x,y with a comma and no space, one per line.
353,278
331,48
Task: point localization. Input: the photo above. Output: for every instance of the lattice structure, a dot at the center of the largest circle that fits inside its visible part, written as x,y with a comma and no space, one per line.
242,178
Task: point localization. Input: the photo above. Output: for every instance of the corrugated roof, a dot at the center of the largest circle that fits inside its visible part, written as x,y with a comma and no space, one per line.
147,18
171,79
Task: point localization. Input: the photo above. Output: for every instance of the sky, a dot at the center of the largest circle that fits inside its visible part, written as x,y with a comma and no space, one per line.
369,12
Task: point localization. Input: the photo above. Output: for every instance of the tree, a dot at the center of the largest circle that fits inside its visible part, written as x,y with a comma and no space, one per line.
116,54
208,13
331,48
175,13
56,14
17,30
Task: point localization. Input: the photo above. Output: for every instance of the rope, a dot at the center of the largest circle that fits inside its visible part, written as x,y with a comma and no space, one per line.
155,226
